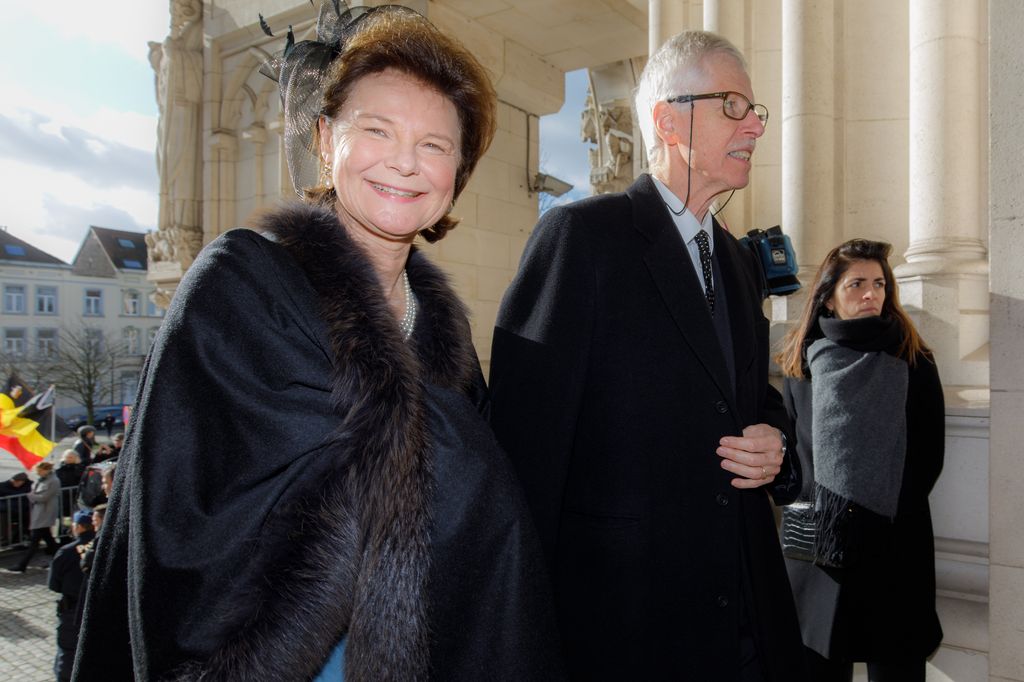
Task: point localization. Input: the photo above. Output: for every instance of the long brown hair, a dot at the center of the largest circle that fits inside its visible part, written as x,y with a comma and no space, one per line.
837,262
406,42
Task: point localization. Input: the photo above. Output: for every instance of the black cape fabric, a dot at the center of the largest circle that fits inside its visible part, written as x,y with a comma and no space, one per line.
610,393
882,608
294,473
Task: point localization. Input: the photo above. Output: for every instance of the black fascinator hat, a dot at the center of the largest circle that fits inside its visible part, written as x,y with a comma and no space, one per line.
301,71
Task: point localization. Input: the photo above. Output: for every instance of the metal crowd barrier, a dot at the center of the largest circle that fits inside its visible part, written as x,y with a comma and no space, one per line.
15,517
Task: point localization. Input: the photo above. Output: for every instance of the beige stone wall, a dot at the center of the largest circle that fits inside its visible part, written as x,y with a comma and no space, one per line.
1006,229
497,215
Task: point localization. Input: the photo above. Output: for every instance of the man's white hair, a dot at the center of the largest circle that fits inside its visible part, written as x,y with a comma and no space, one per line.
678,67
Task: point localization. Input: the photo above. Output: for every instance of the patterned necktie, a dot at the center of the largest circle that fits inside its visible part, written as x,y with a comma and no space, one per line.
704,246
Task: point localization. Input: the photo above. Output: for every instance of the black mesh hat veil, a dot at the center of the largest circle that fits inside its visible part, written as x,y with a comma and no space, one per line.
301,72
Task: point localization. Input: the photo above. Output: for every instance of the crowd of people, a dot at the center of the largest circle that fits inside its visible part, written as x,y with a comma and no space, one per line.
72,499
363,506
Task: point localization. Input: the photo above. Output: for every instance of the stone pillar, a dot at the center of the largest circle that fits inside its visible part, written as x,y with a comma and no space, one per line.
945,278
728,18
808,117
808,128
1006,226
665,18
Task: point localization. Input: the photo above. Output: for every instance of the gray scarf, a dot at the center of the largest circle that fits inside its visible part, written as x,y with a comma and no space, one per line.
859,419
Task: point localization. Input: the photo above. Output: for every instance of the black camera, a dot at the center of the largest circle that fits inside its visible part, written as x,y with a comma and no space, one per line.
775,253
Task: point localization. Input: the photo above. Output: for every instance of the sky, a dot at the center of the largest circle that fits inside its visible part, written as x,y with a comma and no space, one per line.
78,121
562,153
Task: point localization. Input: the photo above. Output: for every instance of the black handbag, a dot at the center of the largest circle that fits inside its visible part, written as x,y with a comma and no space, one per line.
798,531
832,532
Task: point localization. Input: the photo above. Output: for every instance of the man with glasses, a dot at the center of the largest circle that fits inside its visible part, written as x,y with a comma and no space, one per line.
629,380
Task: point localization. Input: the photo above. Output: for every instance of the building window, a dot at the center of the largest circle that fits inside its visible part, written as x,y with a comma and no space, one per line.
14,298
46,343
132,303
14,341
93,302
46,300
125,243
132,264
14,250
129,386
152,309
152,337
132,340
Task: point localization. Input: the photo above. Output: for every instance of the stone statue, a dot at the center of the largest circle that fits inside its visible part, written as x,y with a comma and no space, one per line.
178,65
609,126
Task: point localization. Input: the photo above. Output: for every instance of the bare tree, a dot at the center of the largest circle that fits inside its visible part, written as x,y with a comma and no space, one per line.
83,366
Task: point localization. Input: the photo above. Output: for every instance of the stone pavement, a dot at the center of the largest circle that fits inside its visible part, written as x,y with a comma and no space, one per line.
28,621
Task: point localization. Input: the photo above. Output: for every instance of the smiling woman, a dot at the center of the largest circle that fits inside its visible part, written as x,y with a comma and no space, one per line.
346,509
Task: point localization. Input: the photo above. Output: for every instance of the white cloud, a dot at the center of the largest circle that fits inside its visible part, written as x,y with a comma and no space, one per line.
70,156
126,24
51,209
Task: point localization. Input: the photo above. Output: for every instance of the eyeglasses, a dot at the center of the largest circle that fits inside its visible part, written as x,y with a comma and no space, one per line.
734,104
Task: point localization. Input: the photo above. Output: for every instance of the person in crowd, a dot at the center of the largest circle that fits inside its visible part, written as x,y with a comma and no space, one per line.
66,578
108,424
629,382
44,501
345,507
69,473
85,443
87,550
115,447
14,507
863,390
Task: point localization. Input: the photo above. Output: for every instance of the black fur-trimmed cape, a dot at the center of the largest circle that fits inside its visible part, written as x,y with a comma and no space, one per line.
296,472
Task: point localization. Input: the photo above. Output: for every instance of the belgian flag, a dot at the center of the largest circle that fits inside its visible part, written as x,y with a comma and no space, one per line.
19,425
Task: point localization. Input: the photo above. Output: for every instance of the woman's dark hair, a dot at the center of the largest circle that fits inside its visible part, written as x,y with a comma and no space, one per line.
837,262
407,42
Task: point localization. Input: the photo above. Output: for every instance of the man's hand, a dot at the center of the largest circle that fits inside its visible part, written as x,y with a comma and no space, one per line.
756,457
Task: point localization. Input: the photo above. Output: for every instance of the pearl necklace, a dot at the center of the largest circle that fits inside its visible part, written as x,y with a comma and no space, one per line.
408,321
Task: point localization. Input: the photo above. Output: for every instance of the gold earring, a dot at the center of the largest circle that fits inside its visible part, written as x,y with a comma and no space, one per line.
328,182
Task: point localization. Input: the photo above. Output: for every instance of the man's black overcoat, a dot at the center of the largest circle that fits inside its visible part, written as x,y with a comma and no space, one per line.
610,394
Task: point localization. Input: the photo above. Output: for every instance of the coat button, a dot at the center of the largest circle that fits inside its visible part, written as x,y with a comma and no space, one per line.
722,407
723,601
722,499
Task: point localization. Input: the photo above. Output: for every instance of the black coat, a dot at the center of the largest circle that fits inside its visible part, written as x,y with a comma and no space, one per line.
610,394
296,472
883,608
66,577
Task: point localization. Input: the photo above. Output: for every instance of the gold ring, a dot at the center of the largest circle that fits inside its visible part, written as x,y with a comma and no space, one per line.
764,473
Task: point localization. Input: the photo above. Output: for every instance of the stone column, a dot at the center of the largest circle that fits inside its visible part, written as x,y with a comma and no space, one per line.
808,128
809,205
945,278
728,18
665,18
1006,226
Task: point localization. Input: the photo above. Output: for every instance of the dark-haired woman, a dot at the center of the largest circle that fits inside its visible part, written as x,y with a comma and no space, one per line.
308,488
863,390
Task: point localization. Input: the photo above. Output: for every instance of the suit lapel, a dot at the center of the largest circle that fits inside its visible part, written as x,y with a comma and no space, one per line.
672,271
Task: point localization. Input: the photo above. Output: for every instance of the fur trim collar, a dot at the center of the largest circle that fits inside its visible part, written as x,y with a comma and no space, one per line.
335,264
352,555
